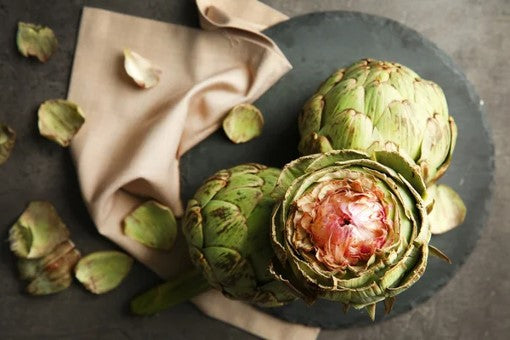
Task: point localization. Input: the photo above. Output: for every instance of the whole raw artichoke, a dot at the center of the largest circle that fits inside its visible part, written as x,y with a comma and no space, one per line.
227,227
350,228
379,105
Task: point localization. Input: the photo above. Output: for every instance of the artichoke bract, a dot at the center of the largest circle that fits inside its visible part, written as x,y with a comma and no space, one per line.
350,227
379,105
227,227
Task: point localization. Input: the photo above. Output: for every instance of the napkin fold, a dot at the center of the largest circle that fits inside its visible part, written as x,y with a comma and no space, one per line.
128,150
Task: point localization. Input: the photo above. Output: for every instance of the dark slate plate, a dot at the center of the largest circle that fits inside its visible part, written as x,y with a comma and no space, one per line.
316,45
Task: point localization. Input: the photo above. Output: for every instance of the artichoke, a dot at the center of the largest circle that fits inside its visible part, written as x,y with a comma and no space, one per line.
227,226
378,105
350,227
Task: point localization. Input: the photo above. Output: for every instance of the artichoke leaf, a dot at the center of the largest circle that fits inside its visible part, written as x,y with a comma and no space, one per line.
102,271
52,273
153,225
140,69
36,40
60,120
243,123
7,140
448,212
37,231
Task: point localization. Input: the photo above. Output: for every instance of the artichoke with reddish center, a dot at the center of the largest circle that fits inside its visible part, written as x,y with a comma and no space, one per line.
350,227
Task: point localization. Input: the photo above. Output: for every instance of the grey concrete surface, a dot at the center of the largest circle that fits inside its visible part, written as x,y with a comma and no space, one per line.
475,304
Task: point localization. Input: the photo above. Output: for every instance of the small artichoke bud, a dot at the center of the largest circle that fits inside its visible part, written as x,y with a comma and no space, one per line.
51,273
103,271
60,120
243,123
153,225
140,69
38,230
36,41
7,139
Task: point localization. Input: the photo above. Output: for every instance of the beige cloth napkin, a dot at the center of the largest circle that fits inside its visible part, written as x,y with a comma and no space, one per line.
129,147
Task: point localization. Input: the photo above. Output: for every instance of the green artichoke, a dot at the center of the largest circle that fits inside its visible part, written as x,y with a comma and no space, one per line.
350,227
378,105
227,226
227,229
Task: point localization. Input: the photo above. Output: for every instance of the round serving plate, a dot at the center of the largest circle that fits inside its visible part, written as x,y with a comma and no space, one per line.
316,45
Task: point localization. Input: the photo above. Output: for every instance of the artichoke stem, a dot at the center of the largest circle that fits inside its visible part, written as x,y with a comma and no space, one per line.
170,293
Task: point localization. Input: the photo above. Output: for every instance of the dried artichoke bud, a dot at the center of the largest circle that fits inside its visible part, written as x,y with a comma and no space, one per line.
7,139
243,123
51,273
140,69
103,271
153,225
35,40
38,230
60,120
448,210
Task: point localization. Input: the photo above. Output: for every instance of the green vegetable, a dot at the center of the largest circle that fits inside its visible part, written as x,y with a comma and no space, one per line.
379,105
350,227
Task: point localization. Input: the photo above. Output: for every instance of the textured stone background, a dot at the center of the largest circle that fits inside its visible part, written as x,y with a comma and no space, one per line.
476,302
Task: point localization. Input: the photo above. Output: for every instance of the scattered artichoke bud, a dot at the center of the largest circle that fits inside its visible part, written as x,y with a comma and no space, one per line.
448,211
60,120
51,273
38,230
243,123
7,139
35,40
103,271
140,69
153,225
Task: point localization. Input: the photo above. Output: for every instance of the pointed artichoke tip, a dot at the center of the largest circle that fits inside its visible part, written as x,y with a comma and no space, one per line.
371,311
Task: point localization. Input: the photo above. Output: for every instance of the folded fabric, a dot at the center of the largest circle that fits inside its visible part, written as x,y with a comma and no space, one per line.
130,145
